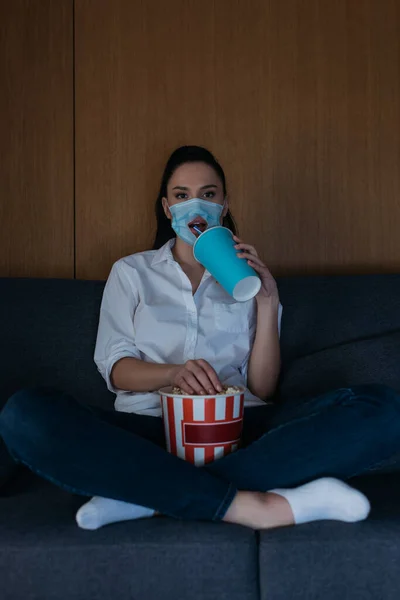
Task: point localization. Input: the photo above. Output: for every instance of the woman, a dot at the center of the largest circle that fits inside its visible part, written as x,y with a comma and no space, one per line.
166,321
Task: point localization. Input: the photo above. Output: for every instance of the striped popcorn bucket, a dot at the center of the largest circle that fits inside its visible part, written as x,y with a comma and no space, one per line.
201,429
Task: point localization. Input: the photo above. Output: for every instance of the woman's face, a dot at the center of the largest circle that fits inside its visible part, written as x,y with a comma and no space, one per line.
194,180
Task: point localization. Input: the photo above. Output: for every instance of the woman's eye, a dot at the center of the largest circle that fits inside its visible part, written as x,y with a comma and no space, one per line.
181,196
209,194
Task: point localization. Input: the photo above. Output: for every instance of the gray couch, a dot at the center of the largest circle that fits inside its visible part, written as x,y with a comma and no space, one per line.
336,331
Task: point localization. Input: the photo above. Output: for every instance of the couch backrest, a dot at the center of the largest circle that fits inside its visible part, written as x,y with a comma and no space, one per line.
336,331
48,332
339,331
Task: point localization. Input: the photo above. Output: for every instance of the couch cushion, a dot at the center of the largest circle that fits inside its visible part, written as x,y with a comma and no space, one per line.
333,560
48,329
374,360
338,331
43,553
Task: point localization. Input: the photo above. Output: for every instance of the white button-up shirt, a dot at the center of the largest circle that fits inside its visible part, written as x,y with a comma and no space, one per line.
149,312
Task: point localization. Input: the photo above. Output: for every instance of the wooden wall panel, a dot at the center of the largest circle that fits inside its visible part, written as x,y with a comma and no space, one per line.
299,99
36,140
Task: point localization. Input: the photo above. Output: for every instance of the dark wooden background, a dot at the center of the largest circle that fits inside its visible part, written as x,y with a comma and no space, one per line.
298,99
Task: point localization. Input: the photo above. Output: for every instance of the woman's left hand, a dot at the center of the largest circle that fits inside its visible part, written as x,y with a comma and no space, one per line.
269,290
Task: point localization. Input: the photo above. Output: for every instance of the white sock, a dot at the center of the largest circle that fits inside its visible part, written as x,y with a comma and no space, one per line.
326,499
102,511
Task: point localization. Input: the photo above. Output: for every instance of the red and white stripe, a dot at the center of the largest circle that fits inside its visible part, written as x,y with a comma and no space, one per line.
201,430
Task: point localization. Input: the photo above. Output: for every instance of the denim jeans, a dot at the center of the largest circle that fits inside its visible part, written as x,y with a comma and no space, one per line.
94,452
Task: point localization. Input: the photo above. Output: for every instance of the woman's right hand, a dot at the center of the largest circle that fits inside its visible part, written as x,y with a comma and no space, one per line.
196,377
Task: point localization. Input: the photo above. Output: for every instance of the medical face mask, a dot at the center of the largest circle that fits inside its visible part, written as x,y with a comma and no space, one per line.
198,212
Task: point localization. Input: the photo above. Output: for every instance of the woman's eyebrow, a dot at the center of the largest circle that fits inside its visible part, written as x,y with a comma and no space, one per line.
182,187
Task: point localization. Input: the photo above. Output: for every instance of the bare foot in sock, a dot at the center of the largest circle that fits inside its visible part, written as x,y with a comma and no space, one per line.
102,511
326,499
323,499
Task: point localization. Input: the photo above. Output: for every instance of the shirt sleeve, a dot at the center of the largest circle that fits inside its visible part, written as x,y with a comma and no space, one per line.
115,334
253,325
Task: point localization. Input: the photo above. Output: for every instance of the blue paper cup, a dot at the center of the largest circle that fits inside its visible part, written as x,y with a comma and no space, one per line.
215,250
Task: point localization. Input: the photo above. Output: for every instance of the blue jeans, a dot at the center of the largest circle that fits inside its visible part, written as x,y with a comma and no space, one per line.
94,452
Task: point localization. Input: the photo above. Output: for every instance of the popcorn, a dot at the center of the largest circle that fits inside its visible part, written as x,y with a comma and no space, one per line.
227,390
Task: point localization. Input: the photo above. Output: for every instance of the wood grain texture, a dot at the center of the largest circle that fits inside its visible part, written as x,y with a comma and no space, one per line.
299,99
36,141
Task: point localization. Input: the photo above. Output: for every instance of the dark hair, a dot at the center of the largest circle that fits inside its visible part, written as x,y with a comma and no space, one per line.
181,156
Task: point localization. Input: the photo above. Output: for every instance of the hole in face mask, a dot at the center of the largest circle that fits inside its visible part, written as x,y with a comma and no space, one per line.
197,226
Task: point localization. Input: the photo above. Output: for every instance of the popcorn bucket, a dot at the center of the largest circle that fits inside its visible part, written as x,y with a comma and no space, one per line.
201,429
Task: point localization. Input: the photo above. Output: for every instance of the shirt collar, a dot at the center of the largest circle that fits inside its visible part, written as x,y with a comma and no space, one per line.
164,254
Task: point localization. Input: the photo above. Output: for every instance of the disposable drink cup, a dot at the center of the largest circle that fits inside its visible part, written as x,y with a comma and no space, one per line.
215,250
